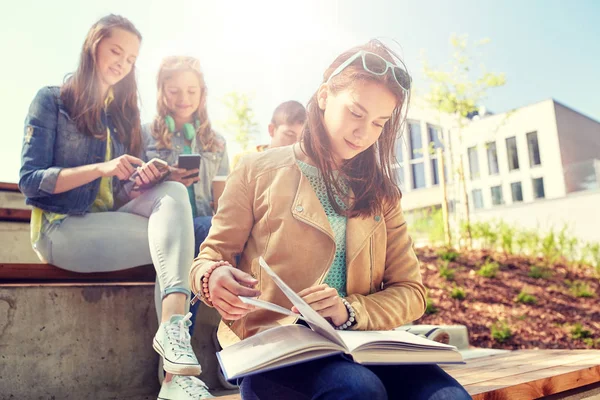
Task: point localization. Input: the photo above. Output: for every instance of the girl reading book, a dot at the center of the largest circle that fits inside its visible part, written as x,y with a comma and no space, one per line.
82,142
325,214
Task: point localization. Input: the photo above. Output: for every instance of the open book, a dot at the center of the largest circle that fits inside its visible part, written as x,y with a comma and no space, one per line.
292,344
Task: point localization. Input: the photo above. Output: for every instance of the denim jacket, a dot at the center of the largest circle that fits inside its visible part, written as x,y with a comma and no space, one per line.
51,143
211,164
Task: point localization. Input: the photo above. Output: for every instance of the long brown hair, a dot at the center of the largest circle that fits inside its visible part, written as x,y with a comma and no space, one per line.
369,174
80,92
204,132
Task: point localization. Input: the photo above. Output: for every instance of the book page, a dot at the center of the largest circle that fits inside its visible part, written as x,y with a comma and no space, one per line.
270,306
294,343
312,318
390,339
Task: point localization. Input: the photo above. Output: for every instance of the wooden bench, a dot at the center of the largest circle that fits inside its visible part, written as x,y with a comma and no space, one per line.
523,374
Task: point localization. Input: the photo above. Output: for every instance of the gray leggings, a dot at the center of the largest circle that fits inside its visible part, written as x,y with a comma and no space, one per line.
155,228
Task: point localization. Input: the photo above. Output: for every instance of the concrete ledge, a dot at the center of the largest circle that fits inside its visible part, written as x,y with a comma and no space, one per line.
86,341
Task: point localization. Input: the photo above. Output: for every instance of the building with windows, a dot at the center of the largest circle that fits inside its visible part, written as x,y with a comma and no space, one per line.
522,165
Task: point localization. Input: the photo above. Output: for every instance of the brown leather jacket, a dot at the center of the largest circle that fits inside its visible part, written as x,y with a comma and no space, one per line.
269,208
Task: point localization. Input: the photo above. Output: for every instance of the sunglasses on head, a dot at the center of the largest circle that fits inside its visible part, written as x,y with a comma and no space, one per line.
376,65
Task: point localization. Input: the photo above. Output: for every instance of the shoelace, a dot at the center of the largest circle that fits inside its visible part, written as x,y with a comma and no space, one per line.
180,334
194,386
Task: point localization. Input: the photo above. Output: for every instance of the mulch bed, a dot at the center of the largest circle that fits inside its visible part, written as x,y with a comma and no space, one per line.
547,324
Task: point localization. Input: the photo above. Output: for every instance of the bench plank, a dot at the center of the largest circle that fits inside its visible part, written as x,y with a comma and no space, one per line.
9,187
14,214
51,273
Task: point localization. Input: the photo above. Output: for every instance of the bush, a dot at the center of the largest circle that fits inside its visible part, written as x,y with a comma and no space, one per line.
446,271
538,272
580,289
579,332
488,270
525,298
458,293
501,332
448,255
430,308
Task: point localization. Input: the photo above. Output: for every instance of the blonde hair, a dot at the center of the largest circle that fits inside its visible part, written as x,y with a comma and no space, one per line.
205,136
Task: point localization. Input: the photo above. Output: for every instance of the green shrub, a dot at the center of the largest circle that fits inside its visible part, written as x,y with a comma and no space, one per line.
488,270
538,272
501,332
580,289
525,298
448,255
579,332
446,271
430,308
458,293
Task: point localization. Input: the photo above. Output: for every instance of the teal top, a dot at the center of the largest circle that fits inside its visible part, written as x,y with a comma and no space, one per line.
336,277
191,193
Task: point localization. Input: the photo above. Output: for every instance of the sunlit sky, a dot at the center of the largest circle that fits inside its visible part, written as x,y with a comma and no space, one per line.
278,50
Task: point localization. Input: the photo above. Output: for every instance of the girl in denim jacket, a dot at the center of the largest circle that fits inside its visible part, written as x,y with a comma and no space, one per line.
325,213
82,141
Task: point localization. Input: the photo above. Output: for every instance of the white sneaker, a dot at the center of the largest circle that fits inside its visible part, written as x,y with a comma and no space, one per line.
172,342
184,388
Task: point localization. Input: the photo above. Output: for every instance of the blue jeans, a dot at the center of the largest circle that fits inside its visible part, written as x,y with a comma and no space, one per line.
201,228
338,378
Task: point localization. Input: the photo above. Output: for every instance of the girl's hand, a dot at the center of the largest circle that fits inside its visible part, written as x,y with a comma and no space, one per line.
225,284
147,174
178,174
121,167
327,302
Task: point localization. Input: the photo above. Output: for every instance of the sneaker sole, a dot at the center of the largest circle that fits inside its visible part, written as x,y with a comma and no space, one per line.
176,369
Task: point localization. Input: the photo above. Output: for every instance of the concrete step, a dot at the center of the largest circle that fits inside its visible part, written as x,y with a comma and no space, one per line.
87,341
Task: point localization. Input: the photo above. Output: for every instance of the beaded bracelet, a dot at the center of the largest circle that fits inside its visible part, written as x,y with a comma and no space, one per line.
204,293
351,315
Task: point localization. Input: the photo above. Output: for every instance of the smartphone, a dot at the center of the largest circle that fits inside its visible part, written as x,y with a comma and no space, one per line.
162,167
189,161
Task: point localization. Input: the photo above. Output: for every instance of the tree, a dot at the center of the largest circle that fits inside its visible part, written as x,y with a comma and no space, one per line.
454,90
241,121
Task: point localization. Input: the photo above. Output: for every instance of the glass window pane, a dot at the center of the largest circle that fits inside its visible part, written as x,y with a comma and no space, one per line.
538,188
435,178
513,155
416,141
497,198
418,175
477,198
534,149
492,156
434,137
517,191
473,162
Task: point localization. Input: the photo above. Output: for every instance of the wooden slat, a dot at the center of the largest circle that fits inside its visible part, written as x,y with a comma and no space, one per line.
539,383
50,273
9,187
14,214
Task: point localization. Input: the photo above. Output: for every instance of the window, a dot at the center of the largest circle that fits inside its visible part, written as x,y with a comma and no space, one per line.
517,192
497,198
511,151
416,141
434,143
418,174
477,198
534,149
538,188
473,162
492,158
417,166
